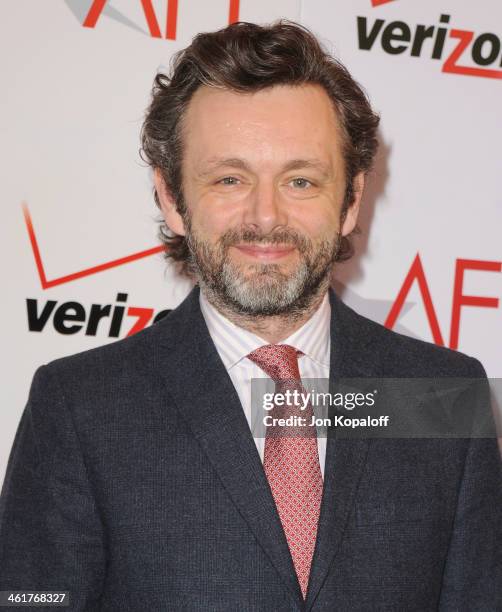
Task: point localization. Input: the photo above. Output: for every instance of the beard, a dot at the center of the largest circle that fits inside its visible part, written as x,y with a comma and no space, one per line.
262,289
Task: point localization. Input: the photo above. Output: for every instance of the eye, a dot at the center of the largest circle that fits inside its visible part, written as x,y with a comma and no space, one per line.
228,180
301,183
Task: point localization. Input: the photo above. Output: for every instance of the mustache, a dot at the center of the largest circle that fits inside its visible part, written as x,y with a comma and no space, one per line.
249,236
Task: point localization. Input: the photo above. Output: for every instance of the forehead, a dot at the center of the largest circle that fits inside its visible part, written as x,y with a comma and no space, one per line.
274,124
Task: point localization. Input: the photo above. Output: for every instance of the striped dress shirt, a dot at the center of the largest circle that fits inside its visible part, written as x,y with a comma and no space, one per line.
234,343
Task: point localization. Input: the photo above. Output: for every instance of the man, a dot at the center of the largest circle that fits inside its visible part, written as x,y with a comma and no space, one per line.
135,482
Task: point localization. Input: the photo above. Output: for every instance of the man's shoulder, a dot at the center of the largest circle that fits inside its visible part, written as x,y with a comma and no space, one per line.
398,355
123,359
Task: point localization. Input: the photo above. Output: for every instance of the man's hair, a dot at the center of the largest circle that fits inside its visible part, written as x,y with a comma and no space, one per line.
246,57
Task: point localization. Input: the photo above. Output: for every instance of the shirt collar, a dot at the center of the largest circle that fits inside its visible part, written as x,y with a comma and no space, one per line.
234,343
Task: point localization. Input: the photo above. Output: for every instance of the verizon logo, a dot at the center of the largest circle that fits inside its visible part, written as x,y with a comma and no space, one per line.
112,320
398,37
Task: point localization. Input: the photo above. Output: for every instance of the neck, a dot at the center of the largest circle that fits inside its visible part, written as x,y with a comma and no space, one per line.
272,328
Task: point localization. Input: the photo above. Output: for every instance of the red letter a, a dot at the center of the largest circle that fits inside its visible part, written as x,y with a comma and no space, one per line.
98,6
416,272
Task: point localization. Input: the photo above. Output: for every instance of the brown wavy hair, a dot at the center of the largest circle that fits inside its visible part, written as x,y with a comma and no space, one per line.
246,57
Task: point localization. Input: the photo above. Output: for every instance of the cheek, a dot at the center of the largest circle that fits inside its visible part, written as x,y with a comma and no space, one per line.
212,217
323,223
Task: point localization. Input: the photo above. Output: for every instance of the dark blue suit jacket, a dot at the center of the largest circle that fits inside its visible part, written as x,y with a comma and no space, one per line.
134,483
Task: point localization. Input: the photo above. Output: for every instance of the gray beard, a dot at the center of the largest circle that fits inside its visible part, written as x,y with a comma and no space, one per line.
264,290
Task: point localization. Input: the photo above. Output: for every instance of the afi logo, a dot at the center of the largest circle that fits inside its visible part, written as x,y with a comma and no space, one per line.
98,7
417,274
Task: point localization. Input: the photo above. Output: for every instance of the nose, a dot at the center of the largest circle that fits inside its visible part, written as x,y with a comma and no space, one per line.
265,210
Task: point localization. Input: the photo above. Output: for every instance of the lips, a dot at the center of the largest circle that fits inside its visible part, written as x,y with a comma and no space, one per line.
267,251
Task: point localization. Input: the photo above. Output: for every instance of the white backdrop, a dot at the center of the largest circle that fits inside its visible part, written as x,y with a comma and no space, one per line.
71,110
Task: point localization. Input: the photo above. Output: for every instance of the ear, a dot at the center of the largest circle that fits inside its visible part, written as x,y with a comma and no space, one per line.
172,217
352,214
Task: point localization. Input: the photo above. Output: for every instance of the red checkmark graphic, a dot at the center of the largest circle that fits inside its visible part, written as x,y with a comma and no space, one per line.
114,263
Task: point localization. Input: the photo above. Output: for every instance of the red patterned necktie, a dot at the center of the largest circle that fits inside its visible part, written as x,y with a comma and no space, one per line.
291,461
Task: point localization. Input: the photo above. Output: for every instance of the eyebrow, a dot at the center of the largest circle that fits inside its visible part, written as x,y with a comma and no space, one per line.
215,163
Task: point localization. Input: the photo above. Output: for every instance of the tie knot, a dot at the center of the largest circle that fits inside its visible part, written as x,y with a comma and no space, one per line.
279,361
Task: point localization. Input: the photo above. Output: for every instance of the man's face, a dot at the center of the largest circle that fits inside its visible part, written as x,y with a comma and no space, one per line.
263,184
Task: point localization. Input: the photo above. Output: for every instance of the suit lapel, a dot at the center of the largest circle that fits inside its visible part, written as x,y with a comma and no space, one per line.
345,458
206,398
